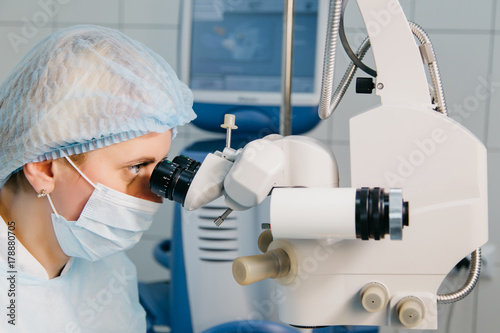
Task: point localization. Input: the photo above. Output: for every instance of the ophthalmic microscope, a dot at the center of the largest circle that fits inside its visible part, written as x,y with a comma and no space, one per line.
375,253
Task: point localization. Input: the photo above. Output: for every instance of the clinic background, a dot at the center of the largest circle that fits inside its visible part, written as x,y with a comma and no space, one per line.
465,36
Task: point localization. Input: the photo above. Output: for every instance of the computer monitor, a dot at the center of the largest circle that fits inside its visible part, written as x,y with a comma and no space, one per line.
231,54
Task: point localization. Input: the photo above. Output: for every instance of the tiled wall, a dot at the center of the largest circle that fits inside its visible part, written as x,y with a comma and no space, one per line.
465,35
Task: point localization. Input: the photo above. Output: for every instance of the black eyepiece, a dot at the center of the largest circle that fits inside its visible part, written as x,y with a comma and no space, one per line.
171,179
373,211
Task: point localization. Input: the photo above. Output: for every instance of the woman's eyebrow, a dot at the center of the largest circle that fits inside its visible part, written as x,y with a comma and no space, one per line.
145,159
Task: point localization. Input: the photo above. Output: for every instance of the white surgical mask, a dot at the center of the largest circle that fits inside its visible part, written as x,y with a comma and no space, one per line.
110,222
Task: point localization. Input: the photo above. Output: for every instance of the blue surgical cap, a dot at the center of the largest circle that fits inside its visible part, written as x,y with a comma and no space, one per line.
83,88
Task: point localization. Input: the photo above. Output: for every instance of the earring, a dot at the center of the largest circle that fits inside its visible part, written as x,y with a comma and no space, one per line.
42,193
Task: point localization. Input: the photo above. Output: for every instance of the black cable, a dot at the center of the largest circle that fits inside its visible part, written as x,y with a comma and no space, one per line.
347,47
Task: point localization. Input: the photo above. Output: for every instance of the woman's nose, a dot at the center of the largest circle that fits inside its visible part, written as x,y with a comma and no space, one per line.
144,192
152,196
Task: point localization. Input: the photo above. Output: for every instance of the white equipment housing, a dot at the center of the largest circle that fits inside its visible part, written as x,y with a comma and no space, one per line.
441,168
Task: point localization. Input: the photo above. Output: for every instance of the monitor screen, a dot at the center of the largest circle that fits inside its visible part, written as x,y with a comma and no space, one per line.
237,45
230,55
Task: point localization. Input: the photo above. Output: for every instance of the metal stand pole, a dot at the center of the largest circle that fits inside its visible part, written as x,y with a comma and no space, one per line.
286,69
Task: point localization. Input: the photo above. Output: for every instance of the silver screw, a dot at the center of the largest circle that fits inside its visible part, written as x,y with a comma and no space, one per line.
218,221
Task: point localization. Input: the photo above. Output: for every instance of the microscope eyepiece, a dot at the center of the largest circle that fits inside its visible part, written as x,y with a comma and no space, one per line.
171,179
379,213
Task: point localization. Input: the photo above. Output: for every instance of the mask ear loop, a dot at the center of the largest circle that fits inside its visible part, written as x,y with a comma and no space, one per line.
52,205
81,174
78,170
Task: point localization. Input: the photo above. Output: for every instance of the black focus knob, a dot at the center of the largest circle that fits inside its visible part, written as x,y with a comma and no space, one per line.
186,162
171,179
364,85
375,213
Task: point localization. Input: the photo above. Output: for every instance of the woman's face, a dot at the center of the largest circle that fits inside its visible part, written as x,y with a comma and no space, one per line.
125,167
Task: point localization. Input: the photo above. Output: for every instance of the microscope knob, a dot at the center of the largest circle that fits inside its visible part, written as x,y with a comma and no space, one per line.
229,122
374,297
364,85
272,264
411,311
265,239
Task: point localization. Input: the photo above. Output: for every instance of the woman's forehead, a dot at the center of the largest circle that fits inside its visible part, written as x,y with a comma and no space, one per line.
151,146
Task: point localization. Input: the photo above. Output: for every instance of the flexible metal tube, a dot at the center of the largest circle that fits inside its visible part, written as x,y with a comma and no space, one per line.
329,58
361,52
475,266
348,76
433,67
475,270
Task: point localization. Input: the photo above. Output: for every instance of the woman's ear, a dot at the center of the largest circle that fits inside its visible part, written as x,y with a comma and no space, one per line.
40,175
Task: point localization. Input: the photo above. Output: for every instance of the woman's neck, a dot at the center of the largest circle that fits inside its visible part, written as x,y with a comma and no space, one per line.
34,230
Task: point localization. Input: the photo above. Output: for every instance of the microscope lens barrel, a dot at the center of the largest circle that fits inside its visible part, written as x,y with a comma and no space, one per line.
305,213
171,179
344,213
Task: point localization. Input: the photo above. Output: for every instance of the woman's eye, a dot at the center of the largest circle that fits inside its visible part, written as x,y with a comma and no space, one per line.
136,168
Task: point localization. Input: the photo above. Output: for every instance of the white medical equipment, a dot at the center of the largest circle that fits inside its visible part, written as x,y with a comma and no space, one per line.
328,255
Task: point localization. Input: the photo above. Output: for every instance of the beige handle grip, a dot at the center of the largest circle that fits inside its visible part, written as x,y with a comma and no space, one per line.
272,264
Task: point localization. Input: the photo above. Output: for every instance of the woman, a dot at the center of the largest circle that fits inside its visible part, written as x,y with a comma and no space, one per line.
84,118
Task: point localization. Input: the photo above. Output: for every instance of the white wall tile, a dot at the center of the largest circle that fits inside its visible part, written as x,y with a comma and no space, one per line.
184,132
162,41
487,310
90,12
494,198
454,14
26,10
458,317
342,156
178,144
497,18
14,44
151,11
321,132
62,25
148,269
353,17
462,71
494,112
196,134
